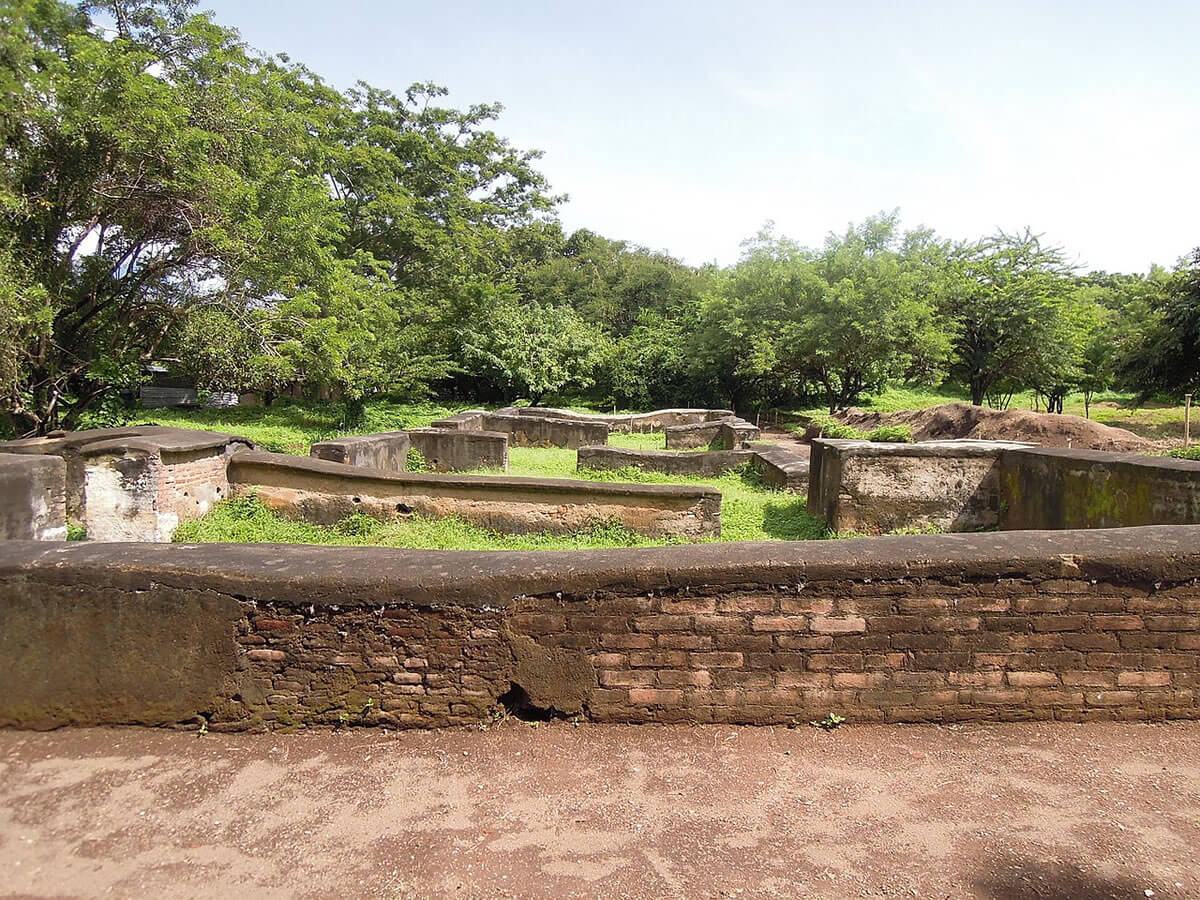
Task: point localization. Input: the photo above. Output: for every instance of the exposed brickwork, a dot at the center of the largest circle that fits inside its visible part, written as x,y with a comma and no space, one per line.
949,628
896,651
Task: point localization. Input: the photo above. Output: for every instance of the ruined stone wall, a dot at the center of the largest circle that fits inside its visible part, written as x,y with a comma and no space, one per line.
1050,487
672,462
460,451
539,431
32,498
873,488
1068,625
324,492
387,450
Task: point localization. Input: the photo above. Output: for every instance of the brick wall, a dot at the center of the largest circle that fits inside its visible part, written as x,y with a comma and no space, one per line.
1073,626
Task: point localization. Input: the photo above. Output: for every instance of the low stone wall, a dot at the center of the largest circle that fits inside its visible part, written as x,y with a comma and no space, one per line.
538,431
460,451
142,481
1068,625
871,488
636,423
1051,487
672,462
325,492
387,450
470,420
972,485
33,504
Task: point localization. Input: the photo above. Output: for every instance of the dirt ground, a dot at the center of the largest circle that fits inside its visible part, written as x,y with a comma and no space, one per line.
605,811
961,420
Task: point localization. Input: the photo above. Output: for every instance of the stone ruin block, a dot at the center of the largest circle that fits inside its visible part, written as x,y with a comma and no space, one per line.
875,488
141,489
460,451
33,498
387,450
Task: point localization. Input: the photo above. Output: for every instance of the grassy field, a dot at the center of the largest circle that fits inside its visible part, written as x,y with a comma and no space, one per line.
749,511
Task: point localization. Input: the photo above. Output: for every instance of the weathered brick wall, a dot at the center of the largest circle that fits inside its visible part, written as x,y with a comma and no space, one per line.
1025,625
191,483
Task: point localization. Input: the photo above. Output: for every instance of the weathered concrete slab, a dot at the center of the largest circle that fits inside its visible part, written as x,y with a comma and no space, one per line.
1053,487
33,503
781,469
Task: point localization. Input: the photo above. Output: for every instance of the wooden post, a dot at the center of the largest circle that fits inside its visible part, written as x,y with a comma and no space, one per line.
1187,420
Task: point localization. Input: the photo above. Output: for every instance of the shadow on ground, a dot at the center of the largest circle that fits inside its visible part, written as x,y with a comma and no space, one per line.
1030,878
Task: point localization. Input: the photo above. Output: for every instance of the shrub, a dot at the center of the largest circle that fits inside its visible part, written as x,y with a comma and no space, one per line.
1189,453
416,461
900,434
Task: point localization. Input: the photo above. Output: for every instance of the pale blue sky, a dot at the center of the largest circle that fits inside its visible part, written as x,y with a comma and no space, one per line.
685,125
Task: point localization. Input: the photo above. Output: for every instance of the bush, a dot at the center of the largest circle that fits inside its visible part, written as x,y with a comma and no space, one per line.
416,461
1189,453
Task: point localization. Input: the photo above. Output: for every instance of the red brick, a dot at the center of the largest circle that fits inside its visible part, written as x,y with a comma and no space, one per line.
684,677
722,624
803,680
627,641
1060,623
1111,698
805,641
1173,623
659,659
663,623
794,605
754,603
1032,679
838,624
688,605
717,660
1089,679
779,623
598,623
1118,623
626,678
266,655
684,641
1040,604
1143,679
655,697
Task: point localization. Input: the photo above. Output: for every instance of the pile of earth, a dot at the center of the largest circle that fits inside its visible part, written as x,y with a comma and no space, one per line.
962,420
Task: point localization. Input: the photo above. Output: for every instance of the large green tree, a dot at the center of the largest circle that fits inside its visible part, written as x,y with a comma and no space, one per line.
1004,297
160,182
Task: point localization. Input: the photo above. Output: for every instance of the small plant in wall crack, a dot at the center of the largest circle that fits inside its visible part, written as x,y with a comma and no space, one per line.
830,723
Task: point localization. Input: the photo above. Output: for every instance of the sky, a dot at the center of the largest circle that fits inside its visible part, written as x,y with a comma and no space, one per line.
685,126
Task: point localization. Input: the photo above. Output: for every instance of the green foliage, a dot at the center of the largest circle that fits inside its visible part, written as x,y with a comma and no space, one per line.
899,434
1166,357
831,722
1185,453
415,462
76,531
529,351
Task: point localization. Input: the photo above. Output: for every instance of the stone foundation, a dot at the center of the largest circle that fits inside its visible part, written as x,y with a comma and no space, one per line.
33,504
460,451
1070,625
671,462
141,489
325,492
873,488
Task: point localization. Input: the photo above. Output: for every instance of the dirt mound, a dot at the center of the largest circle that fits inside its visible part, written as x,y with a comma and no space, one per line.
962,420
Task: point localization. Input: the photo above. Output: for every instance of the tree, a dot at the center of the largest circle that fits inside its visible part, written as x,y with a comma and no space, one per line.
529,350
1166,357
168,170
1003,296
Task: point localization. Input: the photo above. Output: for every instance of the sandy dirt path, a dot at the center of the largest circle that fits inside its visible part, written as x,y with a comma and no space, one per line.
605,811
